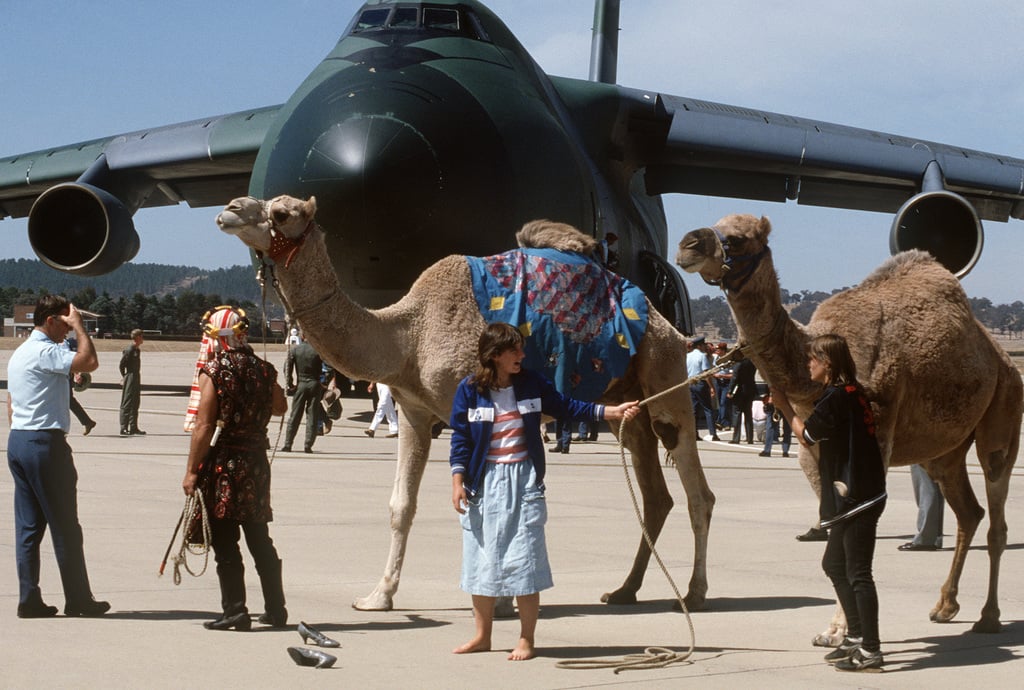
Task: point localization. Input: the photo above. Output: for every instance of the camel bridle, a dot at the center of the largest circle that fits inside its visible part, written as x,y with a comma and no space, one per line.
736,270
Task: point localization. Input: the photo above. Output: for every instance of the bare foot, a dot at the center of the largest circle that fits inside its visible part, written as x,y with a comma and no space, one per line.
523,651
475,645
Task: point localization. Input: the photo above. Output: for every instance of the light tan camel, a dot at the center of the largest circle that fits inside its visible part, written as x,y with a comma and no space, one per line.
424,344
936,379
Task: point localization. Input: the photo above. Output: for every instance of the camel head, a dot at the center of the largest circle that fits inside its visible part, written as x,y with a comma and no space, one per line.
727,253
246,217
276,227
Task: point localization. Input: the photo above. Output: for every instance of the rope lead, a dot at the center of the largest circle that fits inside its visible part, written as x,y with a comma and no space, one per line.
652,657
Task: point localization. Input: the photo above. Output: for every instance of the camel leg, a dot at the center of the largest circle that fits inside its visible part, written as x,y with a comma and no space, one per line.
997,492
700,502
950,471
656,499
413,447
996,440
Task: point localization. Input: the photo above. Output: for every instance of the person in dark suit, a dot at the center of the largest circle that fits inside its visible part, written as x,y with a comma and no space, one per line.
306,391
742,394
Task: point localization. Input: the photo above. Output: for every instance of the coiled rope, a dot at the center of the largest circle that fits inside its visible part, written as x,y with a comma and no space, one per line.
652,657
193,503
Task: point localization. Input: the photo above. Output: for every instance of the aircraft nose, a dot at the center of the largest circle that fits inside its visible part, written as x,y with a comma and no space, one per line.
371,160
405,167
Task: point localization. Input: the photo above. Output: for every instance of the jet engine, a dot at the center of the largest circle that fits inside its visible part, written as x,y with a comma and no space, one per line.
941,223
79,228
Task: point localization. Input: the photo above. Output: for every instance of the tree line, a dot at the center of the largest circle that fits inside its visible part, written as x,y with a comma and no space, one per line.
713,314
171,299
153,297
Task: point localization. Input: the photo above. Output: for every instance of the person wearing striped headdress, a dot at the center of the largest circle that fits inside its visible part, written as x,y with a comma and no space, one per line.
227,463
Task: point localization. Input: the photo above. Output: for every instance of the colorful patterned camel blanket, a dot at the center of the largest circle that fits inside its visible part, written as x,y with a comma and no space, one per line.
582,322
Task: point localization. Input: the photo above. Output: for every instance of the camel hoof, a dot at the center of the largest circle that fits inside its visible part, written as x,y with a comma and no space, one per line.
827,639
987,626
620,597
503,608
375,601
693,602
944,614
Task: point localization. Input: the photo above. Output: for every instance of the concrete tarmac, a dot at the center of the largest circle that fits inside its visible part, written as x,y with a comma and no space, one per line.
767,594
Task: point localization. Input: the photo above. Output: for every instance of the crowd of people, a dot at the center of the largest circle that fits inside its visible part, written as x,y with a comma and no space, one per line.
496,457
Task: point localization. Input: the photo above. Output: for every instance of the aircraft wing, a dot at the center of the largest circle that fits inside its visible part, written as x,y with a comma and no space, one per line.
723,150
691,146
202,162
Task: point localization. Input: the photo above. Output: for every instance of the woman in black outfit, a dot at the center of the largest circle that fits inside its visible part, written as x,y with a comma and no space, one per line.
852,494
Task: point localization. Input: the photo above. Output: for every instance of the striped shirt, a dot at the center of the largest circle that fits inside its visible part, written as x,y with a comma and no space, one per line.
508,442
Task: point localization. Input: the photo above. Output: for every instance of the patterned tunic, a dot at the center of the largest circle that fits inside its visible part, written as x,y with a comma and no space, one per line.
238,486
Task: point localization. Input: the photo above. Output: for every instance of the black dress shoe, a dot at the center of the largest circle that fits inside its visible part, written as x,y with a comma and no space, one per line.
555,449
138,432
764,454
311,657
278,619
238,621
813,534
89,609
911,546
785,455
307,449
308,632
125,432
285,449
36,610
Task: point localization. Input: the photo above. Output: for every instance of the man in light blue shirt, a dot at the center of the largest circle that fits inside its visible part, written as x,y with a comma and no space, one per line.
697,362
39,457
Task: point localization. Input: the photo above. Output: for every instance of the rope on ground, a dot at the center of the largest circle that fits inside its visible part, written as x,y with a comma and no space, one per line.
652,657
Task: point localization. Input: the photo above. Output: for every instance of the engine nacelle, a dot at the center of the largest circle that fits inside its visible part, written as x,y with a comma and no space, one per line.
942,223
78,228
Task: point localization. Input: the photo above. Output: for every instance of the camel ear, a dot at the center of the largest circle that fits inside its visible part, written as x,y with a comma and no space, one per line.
311,206
764,228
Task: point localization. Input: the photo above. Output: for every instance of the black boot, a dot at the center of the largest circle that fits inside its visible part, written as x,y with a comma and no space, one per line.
275,614
232,599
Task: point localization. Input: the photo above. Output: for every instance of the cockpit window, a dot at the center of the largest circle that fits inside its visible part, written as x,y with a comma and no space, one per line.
404,18
371,19
419,16
437,18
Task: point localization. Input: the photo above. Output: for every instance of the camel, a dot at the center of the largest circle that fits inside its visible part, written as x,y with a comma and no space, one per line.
425,343
936,379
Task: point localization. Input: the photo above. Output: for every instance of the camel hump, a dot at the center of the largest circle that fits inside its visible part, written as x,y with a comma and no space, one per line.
916,264
547,234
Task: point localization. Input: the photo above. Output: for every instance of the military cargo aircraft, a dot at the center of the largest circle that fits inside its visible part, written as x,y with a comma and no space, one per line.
429,130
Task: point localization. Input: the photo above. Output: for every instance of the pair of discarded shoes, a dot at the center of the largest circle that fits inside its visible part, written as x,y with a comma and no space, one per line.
313,657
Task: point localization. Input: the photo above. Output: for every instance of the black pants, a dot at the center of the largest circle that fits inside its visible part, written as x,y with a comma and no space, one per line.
224,535
847,562
80,414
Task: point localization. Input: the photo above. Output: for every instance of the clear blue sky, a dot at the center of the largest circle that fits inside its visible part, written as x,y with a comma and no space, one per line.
942,70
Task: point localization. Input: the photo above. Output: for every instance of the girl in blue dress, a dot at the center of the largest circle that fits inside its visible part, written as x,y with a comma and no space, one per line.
497,460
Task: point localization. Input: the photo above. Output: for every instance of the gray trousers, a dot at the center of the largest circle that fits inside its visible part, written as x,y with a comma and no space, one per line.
929,508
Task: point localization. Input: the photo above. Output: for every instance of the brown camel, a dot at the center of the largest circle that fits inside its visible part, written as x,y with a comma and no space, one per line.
936,379
424,344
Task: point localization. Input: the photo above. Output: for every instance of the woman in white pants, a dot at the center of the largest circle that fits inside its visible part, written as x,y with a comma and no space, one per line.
385,408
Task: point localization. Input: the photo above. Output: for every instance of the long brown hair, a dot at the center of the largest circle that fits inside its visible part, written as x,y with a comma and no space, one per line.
496,339
833,351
